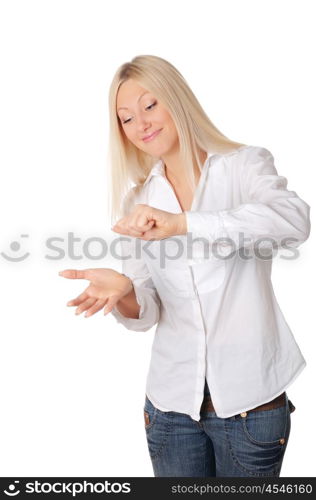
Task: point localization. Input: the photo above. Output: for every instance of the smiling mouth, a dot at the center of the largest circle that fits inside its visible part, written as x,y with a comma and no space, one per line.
151,136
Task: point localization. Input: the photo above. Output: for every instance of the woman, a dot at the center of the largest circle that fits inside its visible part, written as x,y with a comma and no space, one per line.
200,224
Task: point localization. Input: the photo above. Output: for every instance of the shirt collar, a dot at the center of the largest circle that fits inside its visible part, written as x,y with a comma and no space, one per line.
159,168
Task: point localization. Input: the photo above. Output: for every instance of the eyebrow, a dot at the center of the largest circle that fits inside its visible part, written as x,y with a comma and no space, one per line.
147,92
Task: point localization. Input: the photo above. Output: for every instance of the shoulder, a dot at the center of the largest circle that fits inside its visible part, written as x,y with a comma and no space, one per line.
243,161
255,161
245,155
250,152
251,158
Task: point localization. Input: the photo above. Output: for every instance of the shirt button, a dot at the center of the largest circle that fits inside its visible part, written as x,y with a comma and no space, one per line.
243,414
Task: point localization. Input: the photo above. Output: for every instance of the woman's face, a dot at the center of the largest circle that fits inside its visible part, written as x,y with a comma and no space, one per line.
141,115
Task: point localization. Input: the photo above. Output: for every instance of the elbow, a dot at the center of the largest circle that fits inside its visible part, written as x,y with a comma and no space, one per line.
297,236
305,232
300,221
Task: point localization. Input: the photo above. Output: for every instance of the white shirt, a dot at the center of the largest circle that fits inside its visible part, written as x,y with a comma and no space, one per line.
217,318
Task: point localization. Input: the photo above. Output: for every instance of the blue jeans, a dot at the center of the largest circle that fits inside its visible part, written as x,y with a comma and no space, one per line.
249,446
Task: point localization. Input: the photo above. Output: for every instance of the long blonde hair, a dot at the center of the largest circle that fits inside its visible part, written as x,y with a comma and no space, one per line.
128,164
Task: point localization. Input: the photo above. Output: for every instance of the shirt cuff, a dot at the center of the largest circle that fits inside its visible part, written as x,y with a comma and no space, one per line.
208,229
204,225
148,313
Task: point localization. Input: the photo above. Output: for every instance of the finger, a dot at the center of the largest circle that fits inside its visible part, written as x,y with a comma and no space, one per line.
85,305
133,226
140,222
152,234
97,306
75,302
73,273
111,302
127,231
142,225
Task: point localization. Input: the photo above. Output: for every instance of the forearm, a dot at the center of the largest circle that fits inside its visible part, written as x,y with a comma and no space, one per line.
181,224
128,305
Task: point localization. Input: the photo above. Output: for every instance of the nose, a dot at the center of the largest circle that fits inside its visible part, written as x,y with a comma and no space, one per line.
143,123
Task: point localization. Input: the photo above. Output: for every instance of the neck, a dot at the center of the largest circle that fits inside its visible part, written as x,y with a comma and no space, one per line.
174,169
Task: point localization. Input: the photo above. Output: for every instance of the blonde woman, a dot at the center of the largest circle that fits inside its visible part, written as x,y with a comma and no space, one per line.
201,218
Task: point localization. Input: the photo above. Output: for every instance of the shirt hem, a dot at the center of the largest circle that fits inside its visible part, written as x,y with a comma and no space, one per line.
162,408
157,405
235,412
274,395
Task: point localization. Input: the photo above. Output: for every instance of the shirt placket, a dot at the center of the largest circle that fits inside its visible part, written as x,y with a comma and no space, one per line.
200,335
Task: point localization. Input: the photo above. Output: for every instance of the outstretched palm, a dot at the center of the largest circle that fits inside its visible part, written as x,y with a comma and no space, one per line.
106,288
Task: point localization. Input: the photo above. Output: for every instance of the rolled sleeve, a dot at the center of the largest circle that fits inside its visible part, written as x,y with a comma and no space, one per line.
148,313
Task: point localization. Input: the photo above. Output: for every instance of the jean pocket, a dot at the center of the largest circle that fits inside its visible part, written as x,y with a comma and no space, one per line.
258,440
158,425
266,427
150,413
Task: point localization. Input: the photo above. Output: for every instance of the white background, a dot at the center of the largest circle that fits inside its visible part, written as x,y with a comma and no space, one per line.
72,388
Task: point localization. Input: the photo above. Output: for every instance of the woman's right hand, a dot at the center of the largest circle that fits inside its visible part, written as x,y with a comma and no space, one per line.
106,288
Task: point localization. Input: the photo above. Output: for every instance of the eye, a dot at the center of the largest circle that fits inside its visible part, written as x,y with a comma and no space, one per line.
151,105
147,107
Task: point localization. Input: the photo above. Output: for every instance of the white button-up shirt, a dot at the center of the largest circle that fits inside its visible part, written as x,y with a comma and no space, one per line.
212,298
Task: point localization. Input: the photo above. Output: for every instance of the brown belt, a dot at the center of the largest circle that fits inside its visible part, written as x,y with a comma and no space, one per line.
280,400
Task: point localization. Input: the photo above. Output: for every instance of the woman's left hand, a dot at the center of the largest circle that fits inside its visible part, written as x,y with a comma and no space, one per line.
148,223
